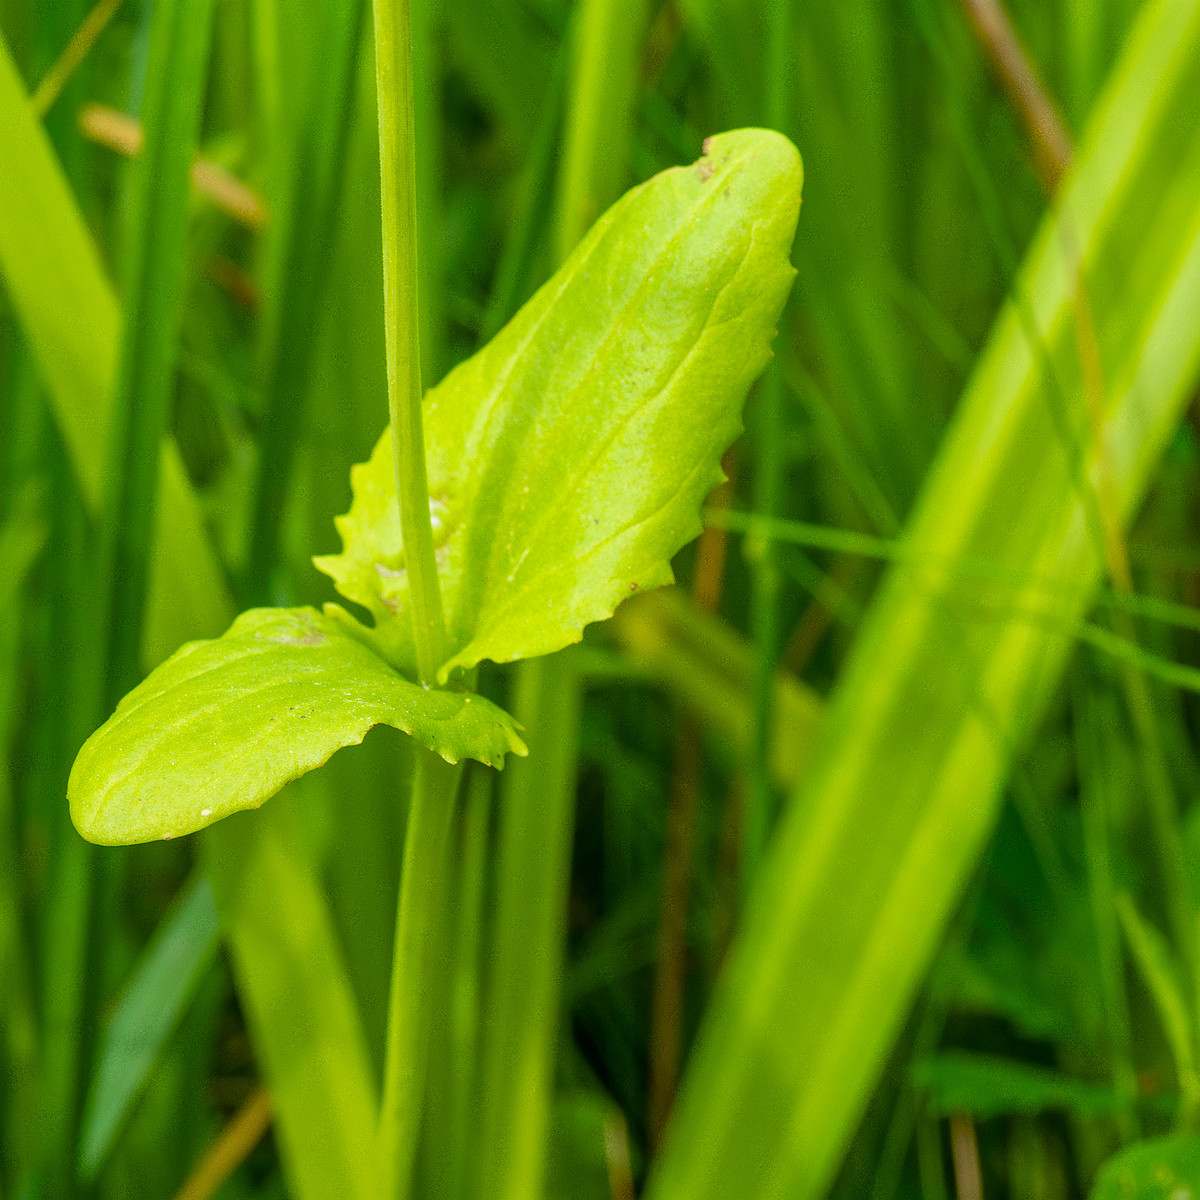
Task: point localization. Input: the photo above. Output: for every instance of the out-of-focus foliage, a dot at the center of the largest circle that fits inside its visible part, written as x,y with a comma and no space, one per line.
941,826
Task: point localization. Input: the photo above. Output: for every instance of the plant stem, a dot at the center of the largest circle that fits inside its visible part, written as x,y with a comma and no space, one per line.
397,166
768,493
533,869
429,820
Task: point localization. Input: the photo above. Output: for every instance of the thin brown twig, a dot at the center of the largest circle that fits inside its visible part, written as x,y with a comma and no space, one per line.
233,1144
1037,111
77,49
964,1150
124,134
616,1157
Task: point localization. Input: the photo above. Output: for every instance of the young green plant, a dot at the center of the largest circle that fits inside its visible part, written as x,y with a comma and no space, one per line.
566,463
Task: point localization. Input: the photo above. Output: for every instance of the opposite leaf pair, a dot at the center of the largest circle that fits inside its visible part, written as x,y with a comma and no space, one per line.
567,463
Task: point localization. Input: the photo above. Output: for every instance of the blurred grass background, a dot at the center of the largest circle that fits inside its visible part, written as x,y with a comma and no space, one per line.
1000,946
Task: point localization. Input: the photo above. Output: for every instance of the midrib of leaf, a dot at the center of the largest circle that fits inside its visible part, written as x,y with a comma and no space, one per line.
620,326
459,599
519,598
585,468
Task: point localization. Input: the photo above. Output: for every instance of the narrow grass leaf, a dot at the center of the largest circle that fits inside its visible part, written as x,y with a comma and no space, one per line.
159,991
1160,974
299,1005
155,260
69,315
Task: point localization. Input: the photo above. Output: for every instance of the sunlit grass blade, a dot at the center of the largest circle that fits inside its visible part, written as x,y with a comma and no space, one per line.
934,700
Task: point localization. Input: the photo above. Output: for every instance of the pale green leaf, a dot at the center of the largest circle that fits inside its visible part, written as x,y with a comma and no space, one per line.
568,459
222,725
1166,1168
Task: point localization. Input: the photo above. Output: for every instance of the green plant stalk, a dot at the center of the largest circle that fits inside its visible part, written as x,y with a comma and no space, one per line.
431,806
397,165
534,854
465,1025
426,845
766,578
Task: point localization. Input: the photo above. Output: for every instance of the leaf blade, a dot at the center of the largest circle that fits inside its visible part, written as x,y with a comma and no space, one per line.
222,725
630,366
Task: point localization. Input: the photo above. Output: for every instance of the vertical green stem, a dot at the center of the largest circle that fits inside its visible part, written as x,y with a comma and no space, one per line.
397,165
768,492
534,866
425,849
467,929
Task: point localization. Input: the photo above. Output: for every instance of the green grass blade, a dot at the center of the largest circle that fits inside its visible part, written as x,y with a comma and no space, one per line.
921,729
69,316
306,204
1161,975
180,34
536,821
154,1000
299,1005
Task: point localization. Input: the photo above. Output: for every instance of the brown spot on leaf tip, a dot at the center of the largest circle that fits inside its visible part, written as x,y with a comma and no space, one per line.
704,170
